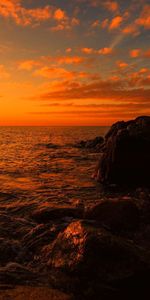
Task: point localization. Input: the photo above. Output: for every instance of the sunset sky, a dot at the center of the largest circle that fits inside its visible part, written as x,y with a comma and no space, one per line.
74,62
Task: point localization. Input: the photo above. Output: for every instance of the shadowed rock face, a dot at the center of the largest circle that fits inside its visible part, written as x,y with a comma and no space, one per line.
126,158
116,215
92,252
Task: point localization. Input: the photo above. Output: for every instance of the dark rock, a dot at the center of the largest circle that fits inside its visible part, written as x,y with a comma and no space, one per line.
52,146
94,254
14,273
9,250
126,158
32,293
95,142
116,215
47,214
91,144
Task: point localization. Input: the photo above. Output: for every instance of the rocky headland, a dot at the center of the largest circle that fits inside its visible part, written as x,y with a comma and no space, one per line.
93,251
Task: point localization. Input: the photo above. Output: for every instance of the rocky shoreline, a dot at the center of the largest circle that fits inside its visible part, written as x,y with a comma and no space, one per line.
96,251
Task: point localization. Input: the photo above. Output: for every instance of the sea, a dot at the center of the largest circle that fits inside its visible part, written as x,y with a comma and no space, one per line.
41,165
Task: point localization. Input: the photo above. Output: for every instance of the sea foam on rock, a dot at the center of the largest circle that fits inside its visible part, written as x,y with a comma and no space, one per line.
126,157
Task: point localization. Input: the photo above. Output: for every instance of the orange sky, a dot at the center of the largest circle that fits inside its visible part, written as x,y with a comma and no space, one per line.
75,62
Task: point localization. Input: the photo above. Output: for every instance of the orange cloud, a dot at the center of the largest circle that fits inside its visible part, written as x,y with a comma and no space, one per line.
53,73
122,64
131,29
135,53
70,60
28,65
59,14
116,22
4,74
88,50
111,5
144,19
68,50
13,9
96,24
105,23
147,54
103,51
23,16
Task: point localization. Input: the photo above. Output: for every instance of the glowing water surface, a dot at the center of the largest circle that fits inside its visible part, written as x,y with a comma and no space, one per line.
33,171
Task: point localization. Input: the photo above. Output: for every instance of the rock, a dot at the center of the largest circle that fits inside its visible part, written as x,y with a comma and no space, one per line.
91,253
47,214
9,250
126,158
95,142
52,146
39,236
32,293
116,215
14,273
91,144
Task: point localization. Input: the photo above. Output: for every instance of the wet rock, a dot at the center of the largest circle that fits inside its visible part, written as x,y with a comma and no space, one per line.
32,293
40,235
9,250
91,144
126,158
92,253
47,214
14,273
13,227
116,215
52,146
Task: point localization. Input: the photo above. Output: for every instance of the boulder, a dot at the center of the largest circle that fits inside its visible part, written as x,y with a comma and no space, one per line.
91,144
115,215
9,250
92,253
14,273
46,214
126,157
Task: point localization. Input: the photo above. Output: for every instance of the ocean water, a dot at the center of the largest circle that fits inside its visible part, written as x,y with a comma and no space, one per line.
40,165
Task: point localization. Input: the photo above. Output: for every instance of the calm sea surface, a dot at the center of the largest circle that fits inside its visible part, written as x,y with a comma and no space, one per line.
32,171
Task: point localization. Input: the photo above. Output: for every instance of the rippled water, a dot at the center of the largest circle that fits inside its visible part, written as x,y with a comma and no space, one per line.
32,171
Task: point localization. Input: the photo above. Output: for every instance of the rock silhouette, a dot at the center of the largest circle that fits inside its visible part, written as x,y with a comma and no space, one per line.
126,157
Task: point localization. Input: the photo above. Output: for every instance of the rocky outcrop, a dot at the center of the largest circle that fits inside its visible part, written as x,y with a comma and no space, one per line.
95,259
117,215
88,250
48,213
126,157
94,144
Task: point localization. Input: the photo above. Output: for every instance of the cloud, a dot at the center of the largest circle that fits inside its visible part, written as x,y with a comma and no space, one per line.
135,53
102,51
88,50
28,65
22,16
105,51
4,74
113,6
144,19
115,23
110,90
131,29
109,5
147,54
122,64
